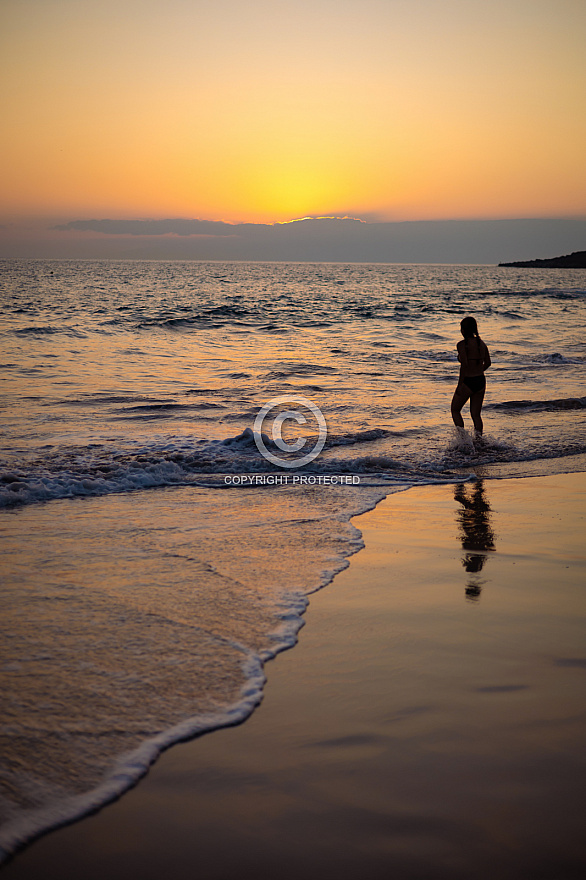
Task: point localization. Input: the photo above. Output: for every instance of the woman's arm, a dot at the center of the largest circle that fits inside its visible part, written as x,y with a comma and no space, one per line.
462,356
486,361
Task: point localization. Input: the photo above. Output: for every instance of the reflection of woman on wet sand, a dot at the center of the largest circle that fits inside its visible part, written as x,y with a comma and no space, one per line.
474,360
476,532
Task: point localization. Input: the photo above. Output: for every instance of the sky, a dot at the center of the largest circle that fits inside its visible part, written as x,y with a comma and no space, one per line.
265,112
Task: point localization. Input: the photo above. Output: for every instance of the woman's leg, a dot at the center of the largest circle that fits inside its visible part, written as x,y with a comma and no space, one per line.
461,395
475,408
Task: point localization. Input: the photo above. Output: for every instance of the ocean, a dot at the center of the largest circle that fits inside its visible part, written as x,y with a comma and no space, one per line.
153,556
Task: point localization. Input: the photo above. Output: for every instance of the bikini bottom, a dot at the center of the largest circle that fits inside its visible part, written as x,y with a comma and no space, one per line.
474,383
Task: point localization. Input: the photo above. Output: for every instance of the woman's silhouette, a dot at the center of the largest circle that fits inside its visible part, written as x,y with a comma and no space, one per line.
474,360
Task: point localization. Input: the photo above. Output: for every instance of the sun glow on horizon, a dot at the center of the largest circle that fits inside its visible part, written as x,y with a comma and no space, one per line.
260,114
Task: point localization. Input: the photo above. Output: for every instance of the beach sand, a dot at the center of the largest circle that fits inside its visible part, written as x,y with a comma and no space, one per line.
429,724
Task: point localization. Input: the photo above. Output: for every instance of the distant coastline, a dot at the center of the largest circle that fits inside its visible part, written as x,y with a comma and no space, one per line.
577,260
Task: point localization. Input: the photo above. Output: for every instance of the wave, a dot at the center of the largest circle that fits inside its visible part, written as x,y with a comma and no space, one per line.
207,390
48,331
97,470
563,403
23,331
358,437
557,358
246,440
205,316
163,410
513,316
287,370
445,355
105,399
423,354
103,469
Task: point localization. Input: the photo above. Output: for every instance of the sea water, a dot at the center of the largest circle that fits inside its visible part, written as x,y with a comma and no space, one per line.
152,558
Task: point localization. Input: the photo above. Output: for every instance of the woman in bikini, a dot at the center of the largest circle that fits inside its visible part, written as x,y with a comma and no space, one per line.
474,360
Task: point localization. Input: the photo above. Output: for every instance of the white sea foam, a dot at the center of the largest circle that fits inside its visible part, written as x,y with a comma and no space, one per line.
131,767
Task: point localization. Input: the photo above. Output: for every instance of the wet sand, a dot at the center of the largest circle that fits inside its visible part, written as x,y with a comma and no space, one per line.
429,724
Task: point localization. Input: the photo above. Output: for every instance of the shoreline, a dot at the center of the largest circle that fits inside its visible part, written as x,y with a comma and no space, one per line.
399,677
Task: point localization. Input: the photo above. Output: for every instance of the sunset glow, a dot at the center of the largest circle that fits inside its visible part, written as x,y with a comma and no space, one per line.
263,112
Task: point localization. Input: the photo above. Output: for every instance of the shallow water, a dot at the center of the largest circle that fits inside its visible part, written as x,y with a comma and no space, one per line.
145,581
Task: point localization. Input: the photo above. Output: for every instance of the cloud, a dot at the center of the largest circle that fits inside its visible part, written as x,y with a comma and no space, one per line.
156,227
325,239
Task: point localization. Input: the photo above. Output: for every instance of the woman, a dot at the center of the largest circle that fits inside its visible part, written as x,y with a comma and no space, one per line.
474,360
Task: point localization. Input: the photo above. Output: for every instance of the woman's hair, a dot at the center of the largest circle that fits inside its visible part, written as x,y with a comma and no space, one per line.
469,328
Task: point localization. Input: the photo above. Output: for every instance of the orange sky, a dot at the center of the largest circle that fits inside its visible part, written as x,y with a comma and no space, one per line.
265,111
